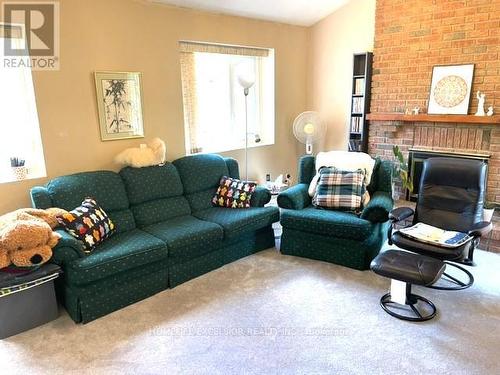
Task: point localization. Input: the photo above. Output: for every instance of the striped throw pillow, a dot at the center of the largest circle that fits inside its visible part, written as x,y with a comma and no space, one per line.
341,190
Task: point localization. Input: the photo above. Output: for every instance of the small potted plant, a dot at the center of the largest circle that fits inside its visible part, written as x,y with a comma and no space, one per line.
400,174
18,168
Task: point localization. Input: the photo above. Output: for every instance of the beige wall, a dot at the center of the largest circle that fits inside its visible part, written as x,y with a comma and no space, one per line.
333,41
133,35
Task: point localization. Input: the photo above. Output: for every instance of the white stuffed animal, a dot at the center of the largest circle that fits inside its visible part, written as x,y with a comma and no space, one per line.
143,156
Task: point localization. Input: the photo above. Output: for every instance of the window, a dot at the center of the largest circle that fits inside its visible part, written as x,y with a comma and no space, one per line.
214,101
19,128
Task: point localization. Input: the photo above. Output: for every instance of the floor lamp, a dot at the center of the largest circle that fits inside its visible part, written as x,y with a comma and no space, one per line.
246,80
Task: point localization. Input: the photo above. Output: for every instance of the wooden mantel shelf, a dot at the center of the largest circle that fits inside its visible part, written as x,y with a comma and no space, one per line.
462,119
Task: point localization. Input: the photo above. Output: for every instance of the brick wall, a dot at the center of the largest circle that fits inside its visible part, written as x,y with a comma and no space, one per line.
410,38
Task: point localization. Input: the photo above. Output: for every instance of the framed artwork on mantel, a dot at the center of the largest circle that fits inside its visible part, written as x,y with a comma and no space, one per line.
450,89
119,103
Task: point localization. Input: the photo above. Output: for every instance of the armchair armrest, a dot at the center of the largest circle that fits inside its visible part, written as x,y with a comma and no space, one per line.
260,197
67,249
480,229
295,198
400,213
379,207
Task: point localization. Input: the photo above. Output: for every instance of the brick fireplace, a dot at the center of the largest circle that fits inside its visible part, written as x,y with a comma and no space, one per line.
411,38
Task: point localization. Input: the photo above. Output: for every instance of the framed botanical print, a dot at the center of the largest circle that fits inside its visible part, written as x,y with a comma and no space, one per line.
119,103
450,89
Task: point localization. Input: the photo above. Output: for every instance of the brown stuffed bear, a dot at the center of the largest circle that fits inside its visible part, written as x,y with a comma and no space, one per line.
26,237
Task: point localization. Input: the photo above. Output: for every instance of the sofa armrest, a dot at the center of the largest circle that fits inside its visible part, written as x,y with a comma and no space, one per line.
379,207
260,197
295,198
67,249
401,213
480,229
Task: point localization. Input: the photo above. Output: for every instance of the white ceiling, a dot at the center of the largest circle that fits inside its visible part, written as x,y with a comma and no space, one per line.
296,12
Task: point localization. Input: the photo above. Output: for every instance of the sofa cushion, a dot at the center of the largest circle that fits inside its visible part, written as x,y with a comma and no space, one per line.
187,237
150,183
119,253
240,221
155,193
200,176
333,223
105,187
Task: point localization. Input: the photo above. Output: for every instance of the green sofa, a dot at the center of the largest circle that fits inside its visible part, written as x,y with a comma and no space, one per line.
335,236
168,232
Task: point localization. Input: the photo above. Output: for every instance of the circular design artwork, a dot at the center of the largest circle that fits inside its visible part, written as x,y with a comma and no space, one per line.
450,91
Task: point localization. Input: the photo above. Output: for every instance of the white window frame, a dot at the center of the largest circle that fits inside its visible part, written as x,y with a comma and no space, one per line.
266,101
35,160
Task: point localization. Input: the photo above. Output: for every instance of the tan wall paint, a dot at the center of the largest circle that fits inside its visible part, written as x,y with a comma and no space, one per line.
134,35
333,41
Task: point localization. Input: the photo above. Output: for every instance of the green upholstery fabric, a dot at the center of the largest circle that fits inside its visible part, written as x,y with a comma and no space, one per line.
151,183
372,186
338,224
159,210
118,253
232,167
200,176
351,253
68,249
377,210
182,272
105,187
155,193
201,200
187,237
92,301
40,197
201,172
260,197
237,221
295,198
384,176
307,169
231,250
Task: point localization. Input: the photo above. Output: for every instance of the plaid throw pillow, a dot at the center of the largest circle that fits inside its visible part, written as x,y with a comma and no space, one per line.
339,189
233,193
88,223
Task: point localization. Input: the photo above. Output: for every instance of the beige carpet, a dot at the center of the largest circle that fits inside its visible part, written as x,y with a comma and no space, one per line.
274,314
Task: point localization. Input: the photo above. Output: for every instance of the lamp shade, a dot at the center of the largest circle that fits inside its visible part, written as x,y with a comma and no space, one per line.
245,75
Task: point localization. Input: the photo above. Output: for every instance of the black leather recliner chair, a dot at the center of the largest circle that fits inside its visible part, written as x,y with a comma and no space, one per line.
451,197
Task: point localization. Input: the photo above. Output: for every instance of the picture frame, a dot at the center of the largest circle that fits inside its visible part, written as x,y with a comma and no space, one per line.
450,89
119,104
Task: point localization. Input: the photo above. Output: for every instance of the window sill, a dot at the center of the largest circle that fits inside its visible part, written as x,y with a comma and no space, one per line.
234,148
6,177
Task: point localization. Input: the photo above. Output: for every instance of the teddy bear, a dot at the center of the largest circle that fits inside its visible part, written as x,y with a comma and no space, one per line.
143,156
26,237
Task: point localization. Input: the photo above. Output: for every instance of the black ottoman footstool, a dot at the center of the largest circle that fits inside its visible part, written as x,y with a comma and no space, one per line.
410,269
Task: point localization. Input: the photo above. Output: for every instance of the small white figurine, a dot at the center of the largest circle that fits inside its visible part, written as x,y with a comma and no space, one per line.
416,110
480,104
490,111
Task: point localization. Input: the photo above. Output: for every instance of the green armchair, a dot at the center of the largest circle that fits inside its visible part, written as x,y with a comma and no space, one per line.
335,236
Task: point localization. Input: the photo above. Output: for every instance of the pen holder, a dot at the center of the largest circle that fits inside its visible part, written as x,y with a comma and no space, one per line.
20,173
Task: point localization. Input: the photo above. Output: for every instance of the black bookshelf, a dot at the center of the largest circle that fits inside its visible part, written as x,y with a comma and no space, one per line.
360,101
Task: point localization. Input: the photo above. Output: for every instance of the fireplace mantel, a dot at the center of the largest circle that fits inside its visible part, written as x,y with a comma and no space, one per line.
461,119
